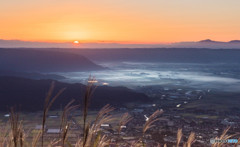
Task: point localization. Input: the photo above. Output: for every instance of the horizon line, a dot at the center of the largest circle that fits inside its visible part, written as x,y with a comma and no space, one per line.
113,42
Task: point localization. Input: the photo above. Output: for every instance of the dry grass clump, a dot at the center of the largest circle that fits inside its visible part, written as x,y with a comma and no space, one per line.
191,139
36,138
224,136
150,123
152,119
86,99
49,100
17,134
4,133
64,126
179,137
123,121
93,133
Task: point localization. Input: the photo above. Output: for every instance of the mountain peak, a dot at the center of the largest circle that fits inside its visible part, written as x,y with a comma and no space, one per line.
234,41
207,41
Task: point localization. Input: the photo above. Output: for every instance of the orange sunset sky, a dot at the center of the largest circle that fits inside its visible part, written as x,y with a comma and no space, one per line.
127,21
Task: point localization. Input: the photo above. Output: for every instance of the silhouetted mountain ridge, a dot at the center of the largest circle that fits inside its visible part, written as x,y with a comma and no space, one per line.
31,75
164,55
213,41
234,41
30,94
44,61
209,41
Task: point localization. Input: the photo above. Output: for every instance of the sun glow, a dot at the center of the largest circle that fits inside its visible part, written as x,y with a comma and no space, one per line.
76,42
118,21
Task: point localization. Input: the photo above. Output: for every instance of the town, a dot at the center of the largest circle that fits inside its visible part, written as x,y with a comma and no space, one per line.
178,109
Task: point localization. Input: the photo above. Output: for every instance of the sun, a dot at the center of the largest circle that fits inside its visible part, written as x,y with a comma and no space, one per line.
76,42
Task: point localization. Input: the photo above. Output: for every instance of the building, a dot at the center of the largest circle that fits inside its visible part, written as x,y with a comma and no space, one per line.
53,131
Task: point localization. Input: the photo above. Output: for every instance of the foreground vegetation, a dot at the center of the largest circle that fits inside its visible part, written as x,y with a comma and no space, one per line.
91,134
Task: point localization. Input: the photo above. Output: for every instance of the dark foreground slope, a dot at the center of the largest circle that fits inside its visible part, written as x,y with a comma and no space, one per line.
31,75
30,94
44,61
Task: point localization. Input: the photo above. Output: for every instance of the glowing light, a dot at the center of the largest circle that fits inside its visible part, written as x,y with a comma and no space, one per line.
76,42
146,118
92,81
105,84
178,105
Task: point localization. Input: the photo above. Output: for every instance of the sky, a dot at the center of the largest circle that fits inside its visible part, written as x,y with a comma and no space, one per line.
119,21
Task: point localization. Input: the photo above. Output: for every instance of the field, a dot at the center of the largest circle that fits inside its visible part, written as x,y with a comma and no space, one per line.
32,124
219,101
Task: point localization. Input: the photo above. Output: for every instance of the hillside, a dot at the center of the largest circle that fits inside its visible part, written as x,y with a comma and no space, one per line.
31,75
167,55
44,61
30,94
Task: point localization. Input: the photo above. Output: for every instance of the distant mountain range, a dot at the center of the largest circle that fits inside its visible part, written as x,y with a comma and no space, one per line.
27,60
212,41
208,43
233,44
161,55
29,95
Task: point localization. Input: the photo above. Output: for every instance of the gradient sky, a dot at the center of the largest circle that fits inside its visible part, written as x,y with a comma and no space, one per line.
133,21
